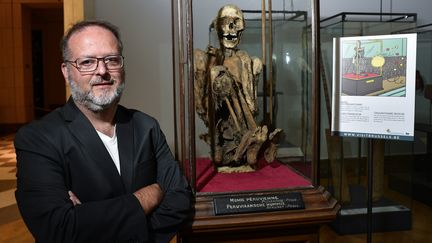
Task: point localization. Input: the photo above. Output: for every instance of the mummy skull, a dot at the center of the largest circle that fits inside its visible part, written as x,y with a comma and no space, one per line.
229,26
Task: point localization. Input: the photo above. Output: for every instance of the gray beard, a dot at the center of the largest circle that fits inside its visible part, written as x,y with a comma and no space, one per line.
89,100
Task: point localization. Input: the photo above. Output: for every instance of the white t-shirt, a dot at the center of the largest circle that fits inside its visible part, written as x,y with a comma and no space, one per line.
111,145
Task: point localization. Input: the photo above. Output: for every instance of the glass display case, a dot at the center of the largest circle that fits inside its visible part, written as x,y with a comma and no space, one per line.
282,89
421,150
344,169
247,96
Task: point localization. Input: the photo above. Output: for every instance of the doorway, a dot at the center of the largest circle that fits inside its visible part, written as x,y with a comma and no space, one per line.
43,24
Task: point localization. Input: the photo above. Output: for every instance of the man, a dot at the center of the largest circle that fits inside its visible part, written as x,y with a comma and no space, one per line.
92,170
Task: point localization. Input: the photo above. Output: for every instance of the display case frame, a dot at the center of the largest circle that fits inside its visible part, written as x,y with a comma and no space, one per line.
299,225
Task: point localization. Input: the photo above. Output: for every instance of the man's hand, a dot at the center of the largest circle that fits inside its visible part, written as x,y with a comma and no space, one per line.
149,197
74,198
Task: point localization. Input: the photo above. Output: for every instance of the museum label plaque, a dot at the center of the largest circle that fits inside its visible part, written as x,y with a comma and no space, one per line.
258,203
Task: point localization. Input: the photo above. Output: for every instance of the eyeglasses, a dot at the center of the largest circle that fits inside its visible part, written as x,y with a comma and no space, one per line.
89,64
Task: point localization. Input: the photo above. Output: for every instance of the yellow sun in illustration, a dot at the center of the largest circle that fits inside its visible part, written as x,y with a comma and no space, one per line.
378,61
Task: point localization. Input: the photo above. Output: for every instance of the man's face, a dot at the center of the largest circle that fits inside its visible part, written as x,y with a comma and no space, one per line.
101,88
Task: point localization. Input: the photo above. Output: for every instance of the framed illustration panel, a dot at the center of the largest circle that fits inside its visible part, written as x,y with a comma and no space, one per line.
374,81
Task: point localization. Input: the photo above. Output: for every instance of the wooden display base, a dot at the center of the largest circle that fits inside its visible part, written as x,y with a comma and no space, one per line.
277,226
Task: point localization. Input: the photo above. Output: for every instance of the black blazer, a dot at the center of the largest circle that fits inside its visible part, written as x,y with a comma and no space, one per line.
62,152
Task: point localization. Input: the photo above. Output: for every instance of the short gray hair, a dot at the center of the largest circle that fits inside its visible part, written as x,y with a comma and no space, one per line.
80,26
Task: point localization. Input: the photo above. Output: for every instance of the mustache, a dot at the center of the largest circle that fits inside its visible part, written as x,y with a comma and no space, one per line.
101,81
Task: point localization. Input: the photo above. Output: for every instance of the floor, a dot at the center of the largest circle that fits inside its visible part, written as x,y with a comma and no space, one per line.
13,230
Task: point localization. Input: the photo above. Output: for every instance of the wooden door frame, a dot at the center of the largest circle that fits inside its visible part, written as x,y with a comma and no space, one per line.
74,11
